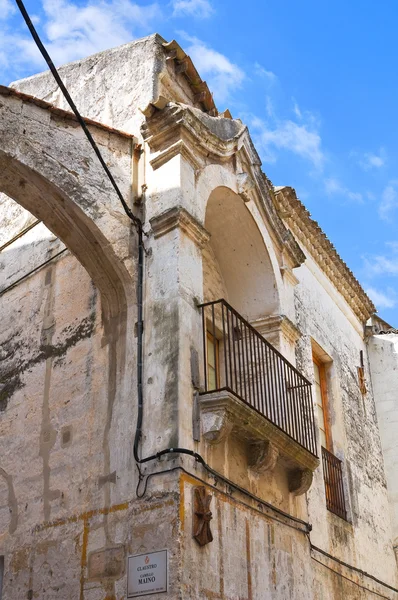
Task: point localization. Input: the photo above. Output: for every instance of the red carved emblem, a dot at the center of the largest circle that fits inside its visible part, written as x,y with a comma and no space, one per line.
202,516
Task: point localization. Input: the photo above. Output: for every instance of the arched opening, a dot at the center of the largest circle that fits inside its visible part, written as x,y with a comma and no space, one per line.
67,221
236,263
65,353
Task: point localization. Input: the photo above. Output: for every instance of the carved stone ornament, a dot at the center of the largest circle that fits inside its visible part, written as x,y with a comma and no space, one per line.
263,456
245,185
202,516
216,426
300,481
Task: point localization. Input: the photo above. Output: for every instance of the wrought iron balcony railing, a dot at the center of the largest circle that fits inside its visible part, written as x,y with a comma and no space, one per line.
334,489
238,359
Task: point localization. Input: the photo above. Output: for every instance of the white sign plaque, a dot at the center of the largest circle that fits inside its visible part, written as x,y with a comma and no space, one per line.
146,574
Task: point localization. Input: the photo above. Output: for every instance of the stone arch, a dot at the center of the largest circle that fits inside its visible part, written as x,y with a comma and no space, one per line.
48,168
68,222
240,266
51,171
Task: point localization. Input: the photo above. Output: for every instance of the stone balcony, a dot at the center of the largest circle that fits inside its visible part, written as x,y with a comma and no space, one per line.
252,391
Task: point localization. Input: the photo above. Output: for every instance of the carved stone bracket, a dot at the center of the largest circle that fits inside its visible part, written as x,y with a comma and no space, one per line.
245,185
263,456
222,413
202,516
178,217
216,425
300,481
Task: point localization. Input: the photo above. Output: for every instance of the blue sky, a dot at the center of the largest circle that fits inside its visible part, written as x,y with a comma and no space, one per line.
315,81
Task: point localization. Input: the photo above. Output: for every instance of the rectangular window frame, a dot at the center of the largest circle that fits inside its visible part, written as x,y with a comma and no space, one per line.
216,345
325,400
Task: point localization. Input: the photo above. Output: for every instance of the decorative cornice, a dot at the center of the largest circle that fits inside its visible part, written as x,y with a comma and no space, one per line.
179,147
288,275
277,324
185,65
202,140
308,232
178,217
166,127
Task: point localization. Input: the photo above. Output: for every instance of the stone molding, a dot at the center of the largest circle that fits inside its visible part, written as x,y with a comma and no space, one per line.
308,232
245,185
203,140
222,413
288,275
277,324
178,217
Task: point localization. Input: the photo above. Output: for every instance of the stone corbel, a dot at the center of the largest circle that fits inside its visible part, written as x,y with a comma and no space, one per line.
300,481
278,330
245,185
263,456
216,425
178,217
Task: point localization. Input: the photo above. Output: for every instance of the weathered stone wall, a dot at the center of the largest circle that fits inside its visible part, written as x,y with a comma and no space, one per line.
383,358
213,284
68,420
69,515
323,318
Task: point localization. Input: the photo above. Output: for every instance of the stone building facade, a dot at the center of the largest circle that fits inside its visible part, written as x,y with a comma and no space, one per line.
265,489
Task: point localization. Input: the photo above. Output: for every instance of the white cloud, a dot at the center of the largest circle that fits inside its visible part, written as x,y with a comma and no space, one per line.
381,299
334,187
72,31
7,8
389,200
222,75
196,8
269,107
269,75
302,139
373,161
296,110
383,264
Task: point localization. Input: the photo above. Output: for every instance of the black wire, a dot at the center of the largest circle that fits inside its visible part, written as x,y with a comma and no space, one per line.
258,500
138,225
344,564
351,580
137,222
217,476
3,291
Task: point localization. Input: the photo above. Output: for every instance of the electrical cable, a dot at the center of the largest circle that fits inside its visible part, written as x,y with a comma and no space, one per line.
344,564
19,235
218,490
351,581
140,324
3,291
137,222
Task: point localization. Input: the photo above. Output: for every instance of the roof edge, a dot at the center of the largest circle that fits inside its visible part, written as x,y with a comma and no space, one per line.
65,114
310,234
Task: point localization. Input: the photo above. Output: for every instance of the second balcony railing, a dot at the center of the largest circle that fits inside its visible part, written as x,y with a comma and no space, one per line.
237,358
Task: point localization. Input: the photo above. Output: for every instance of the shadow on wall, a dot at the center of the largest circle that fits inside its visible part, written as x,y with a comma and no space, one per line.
236,262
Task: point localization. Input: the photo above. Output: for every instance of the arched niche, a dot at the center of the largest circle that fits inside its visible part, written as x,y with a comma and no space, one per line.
236,263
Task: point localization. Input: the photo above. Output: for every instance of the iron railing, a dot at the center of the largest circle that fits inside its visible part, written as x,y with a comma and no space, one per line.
237,358
334,489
